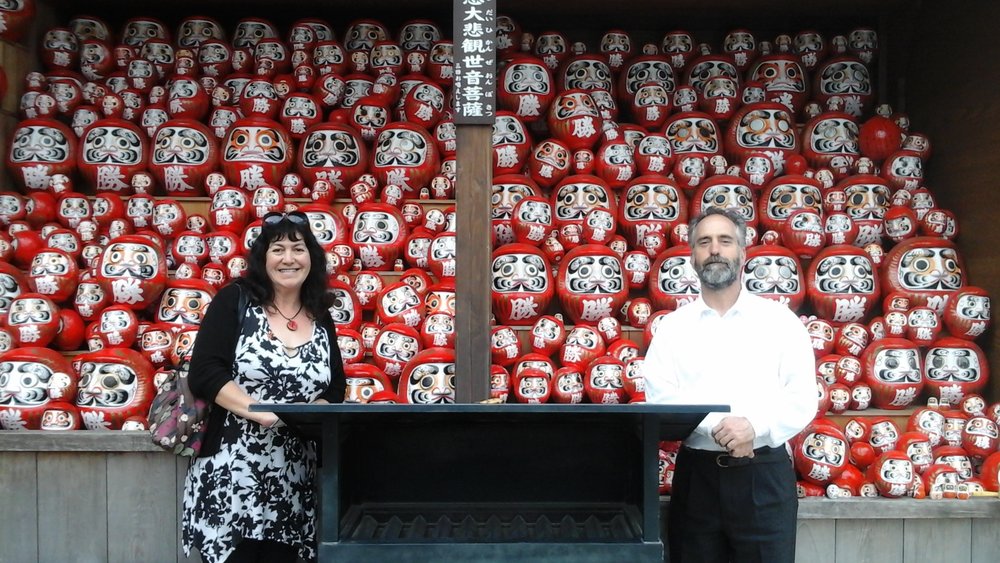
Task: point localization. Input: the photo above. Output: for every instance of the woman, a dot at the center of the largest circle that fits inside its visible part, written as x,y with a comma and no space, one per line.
250,496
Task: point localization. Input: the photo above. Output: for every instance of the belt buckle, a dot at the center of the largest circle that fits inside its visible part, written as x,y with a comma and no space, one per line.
727,461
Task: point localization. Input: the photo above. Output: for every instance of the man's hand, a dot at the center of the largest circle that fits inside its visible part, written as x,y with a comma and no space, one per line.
736,435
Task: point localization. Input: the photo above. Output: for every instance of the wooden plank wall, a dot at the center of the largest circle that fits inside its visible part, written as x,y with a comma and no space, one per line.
15,62
90,507
125,506
951,95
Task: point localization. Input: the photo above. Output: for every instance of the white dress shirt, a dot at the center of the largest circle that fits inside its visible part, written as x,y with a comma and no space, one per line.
757,358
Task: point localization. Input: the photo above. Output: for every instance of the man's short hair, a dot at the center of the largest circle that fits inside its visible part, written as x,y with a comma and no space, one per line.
731,214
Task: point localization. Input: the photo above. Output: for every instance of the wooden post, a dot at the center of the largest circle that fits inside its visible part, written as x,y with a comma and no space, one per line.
472,281
475,40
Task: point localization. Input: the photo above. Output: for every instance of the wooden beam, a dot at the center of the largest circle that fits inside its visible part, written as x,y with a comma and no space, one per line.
77,441
472,283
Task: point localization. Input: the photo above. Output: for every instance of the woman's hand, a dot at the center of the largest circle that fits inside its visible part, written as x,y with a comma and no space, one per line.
232,398
267,419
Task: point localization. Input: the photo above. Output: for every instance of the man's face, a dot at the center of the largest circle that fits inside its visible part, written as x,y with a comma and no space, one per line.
717,255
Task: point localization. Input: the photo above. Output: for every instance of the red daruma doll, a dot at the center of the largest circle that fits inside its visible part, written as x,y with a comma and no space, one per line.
429,378
591,283
522,285
114,384
133,271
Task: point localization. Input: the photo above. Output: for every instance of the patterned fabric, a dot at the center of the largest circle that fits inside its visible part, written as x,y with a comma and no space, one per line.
177,418
260,483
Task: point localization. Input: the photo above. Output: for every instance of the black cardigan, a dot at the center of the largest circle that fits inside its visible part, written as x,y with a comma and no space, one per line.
215,351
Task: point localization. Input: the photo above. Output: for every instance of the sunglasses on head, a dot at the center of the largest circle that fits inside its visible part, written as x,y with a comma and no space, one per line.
293,217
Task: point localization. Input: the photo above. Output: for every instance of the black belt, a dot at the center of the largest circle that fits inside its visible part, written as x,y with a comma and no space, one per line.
760,455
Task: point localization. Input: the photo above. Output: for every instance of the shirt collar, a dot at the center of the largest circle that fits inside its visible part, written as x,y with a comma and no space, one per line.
738,308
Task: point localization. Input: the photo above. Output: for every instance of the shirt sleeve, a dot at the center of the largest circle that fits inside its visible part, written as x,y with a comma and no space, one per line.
338,383
215,345
662,379
778,420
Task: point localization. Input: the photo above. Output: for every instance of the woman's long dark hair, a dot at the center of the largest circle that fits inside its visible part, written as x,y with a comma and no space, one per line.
315,300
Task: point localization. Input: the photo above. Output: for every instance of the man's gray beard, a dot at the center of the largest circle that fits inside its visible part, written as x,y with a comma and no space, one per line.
718,278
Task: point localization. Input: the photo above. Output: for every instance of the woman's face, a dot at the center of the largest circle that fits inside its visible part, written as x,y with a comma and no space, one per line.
287,263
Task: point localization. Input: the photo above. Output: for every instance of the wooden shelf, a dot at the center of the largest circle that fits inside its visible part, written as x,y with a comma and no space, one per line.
809,508
854,508
200,204
815,508
76,441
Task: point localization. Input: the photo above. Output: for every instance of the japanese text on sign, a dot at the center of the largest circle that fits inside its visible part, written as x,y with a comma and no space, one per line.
475,61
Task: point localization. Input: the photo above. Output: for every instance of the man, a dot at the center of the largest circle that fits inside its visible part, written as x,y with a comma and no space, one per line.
734,493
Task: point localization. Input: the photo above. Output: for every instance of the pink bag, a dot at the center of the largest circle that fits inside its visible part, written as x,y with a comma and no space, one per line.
176,418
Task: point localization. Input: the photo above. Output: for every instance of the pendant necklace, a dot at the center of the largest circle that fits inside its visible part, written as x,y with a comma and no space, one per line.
292,325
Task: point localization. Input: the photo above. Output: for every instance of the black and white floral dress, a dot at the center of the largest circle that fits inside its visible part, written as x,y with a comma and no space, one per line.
260,483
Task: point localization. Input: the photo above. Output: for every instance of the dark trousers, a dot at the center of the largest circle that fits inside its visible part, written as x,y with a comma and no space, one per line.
263,551
736,512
